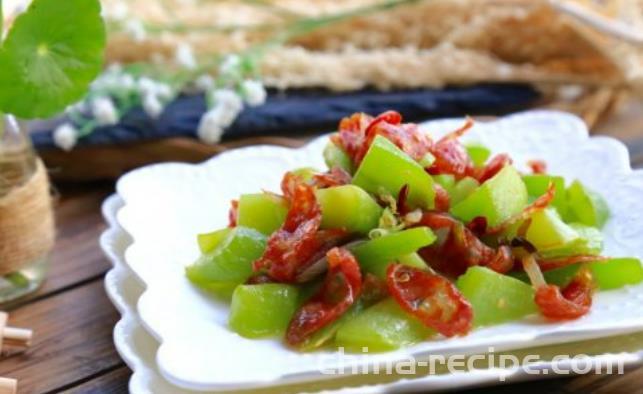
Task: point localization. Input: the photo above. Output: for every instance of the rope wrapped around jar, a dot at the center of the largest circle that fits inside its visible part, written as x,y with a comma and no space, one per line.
27,230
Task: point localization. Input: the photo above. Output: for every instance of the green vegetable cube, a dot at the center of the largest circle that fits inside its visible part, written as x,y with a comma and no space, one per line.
262,310
326,334
334,156
382,327
497,199
447,181
348,207
585,206
305,173
386,168
264,212
589,242
547,231
462,189
376,254
413,260
611,274
209,241
496,298
617,272
478,154
537,185
230,263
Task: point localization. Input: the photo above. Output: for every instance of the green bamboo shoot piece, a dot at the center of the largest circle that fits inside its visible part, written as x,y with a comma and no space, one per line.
447,181
496,298
264,212
334,156
207,242
386,169
548,232
413,260
305,173
230,263
326,334
262,310
537,185
589,242
462,189
585,206
478,154
497,199
376,254
617,272
610,274
348,207
382,327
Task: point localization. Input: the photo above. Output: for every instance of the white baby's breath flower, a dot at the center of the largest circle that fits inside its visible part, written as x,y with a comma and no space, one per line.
146,86
65,136
136,30
117,11
126,82
227,98
253,92
184,56
227,106
210,129
230,67
163,91
152,105
104,111
204,82
223,116
114,68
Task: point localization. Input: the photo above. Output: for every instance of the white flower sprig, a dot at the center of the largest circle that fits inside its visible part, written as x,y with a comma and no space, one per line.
225,97
65,136
112,95
228,85
233,85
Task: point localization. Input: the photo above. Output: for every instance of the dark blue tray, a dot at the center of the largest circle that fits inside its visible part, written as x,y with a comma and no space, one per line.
307,111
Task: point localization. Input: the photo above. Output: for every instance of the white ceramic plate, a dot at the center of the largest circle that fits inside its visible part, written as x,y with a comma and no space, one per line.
138,348
167,204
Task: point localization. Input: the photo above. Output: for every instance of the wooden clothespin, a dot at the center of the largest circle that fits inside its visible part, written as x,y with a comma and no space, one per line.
8,386
12,336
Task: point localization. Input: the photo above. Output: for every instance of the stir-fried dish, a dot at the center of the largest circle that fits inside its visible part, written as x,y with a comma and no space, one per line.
405,238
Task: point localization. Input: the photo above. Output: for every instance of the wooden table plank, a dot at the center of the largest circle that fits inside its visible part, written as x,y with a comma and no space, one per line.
72,339
115,381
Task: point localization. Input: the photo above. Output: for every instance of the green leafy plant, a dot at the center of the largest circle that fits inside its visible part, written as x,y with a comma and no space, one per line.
50,56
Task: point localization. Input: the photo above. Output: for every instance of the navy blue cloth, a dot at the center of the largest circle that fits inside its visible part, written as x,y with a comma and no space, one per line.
307,111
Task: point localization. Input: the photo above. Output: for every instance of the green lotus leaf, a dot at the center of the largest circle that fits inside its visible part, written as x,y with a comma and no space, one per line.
51,54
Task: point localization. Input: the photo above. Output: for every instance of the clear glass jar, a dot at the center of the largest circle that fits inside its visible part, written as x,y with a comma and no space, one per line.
18,164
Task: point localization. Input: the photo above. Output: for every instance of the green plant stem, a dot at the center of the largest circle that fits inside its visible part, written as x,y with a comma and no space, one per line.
296,26
307,25
299,28
183,28
272,7
17,279
1,22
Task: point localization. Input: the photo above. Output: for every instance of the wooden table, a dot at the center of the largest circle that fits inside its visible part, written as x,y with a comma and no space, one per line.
73,320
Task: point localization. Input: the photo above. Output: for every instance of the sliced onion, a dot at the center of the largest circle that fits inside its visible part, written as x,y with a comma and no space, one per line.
319,266
533,271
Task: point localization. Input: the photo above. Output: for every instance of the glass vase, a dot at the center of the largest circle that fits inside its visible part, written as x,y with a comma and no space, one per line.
23,259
